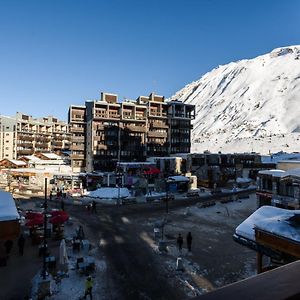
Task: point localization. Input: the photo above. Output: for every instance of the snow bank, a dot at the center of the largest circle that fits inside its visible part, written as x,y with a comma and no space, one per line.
109,193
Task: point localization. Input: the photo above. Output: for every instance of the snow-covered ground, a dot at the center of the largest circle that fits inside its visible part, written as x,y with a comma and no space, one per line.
215,260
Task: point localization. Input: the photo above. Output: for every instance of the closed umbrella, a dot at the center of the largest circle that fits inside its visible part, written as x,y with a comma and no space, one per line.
63,256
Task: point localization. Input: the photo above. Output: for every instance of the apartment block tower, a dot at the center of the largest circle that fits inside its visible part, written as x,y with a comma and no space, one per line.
24,135
107,131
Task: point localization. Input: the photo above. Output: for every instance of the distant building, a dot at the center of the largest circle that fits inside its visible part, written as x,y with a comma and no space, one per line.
23,135
106,131
279,188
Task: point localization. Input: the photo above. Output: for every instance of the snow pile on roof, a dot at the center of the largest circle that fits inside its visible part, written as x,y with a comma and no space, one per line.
109,193
8,210
275,172
248,105
270,219
51,155
17,162
280,156
31,157
292,172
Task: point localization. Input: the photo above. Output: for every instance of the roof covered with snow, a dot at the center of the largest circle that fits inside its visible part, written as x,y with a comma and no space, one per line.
273,220
16,162
31,157
8,210
51,155
275,172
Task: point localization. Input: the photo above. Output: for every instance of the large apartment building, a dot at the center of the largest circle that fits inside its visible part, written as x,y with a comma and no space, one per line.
24,135
106,131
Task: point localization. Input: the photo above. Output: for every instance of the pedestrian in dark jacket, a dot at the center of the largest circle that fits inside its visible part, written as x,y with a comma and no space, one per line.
62,205
8,245
94,209
21,244
179,242
189,239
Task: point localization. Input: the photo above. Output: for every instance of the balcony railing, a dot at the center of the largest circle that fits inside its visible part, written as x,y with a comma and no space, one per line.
77,129
157,134
136,128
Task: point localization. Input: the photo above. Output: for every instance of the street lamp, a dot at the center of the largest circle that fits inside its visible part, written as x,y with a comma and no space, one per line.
45,231
167,195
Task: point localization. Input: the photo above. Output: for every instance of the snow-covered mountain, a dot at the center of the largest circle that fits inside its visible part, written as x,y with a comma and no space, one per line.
248,105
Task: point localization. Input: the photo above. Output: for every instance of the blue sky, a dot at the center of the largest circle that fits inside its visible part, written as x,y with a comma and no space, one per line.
62,52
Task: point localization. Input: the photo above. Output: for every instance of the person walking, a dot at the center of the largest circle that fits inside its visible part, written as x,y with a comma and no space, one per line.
8,245
88,287
62,204
189,239
179,242
94,208
21,244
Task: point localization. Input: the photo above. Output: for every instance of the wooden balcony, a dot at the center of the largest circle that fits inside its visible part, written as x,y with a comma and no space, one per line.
136,128
41,145
25,137
159,125
77,156
77,139
25,152
77,147
155,134
57,143
26,144
77,129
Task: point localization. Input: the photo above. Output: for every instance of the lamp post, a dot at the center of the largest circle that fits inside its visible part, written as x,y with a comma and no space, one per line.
45,231
167,196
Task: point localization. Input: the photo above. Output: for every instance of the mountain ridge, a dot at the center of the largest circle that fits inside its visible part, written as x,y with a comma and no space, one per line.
248,105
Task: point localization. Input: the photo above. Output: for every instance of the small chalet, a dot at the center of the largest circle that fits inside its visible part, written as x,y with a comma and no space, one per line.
272,232
12,164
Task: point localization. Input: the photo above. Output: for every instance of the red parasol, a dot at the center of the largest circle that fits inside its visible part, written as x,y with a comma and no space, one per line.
152,171
59,219
33,214
55,213
35,221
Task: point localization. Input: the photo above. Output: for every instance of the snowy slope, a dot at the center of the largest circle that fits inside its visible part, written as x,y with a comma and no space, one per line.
249,105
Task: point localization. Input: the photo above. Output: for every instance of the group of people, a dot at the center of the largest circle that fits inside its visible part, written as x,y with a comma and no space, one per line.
189,240
9,245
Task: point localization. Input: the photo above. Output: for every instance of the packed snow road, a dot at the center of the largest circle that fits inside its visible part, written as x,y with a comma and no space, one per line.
132,268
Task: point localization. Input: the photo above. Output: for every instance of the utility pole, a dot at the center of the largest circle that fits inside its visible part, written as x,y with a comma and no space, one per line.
118,175
45,231
167,196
